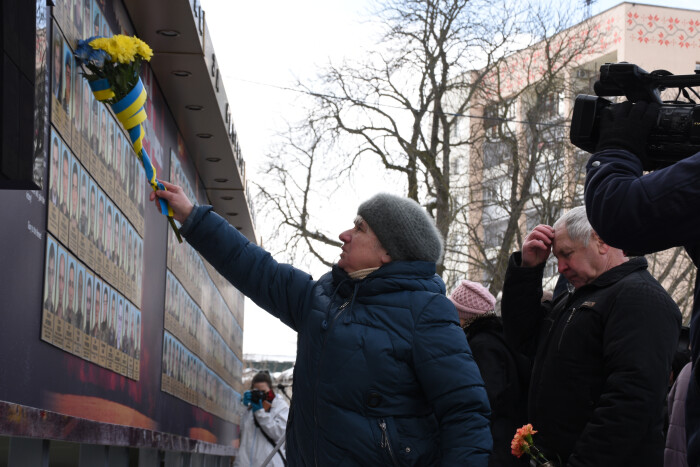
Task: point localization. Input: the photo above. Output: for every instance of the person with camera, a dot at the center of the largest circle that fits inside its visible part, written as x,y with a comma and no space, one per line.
383,374
646,213
601,352
262,424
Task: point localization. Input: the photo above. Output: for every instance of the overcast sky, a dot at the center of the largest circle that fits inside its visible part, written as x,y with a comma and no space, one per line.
262,47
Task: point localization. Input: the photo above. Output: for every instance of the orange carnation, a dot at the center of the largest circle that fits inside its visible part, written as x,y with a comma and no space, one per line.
522,440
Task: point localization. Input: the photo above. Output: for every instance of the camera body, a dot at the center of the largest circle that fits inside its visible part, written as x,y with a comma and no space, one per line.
256,396
676,134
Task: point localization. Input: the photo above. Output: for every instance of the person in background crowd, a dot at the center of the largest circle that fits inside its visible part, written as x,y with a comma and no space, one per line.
262,425
601,352
506,373
675,454
383,374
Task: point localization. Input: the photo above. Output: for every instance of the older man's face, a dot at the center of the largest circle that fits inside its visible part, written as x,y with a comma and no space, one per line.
580,264
361,248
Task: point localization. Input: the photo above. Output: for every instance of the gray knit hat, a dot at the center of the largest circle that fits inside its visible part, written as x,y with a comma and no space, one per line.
403,228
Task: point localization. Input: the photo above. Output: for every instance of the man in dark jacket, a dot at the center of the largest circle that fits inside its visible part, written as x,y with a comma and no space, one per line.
383,374
602,352
648,213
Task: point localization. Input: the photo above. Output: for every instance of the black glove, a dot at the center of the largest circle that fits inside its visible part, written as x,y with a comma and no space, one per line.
627,126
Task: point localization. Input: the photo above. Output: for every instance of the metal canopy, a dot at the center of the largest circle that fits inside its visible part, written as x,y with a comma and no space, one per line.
184,64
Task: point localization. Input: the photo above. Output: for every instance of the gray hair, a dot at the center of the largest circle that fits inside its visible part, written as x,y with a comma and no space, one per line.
576,224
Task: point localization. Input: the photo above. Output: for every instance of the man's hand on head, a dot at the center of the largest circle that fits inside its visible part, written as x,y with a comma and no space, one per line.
537,246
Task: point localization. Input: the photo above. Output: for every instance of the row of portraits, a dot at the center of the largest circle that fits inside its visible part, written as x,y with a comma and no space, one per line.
186,321
82,18
186,263
213,306
83,315
93,134
84,218
186,377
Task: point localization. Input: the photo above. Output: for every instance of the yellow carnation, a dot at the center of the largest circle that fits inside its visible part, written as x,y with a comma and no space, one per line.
121,48
143,49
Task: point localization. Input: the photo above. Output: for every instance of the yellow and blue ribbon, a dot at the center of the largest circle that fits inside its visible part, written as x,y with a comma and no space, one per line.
131,113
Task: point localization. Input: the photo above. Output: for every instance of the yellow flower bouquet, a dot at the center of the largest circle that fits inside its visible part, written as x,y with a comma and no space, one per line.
114,64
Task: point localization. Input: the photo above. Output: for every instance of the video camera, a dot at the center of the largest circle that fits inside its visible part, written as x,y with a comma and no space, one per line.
676,134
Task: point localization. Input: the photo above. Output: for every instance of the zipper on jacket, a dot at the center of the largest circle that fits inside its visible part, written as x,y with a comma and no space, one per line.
385,442
561,337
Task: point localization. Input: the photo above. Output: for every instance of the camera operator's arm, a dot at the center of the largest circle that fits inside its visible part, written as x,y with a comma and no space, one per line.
633,212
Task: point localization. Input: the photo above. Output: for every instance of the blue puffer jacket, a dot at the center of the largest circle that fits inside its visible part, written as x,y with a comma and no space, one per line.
383,376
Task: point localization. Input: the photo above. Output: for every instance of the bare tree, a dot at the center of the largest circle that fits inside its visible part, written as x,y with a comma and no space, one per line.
405,105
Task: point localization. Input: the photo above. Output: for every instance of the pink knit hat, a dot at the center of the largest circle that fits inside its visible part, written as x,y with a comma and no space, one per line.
472,299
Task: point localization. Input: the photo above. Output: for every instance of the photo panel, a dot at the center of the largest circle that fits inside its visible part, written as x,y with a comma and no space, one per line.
68,80
113,317
62,275
86,109
102,139
123,250
106,323
79,321
106,30
97,309
71,290
78,13
64,193
74,205
57,57
120,322
96,19
94,131
110,146
50,275
118,157
76,93
116,240
87,19
126,329
100,221
109,223
88,303
92,211
55,176
83,217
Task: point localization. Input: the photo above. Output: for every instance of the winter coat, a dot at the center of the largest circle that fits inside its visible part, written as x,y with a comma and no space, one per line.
506,375
602,359
653,212
254,447
383,374
675,452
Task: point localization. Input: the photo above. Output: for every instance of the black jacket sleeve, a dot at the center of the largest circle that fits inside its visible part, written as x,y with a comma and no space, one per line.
633,212
521,306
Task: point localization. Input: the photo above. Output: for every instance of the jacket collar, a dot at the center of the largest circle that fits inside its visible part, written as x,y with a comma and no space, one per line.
394,276
618,272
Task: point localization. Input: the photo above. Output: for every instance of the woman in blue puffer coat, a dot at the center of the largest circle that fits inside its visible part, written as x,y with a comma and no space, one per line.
383,374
